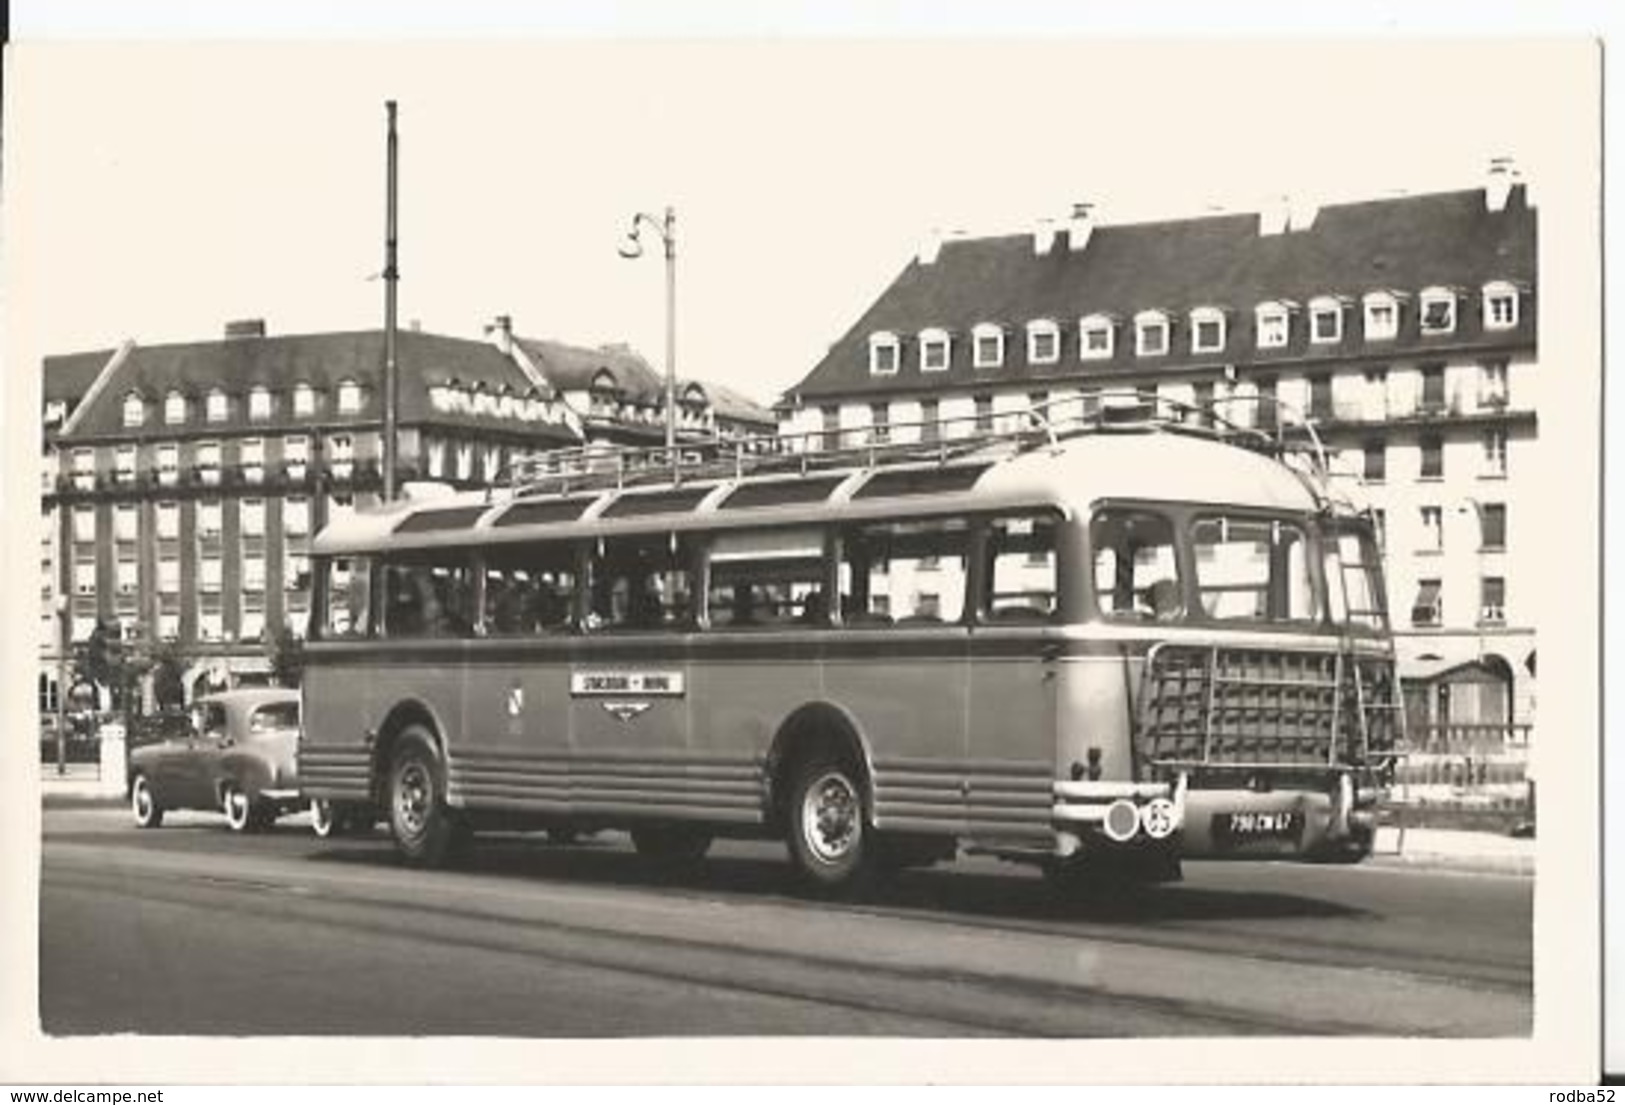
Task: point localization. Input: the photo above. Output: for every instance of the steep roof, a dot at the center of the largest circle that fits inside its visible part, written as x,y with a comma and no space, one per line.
574,367
730,404
1403,244
279,363
69,376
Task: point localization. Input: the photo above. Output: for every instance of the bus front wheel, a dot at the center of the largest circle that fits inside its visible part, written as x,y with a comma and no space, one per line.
829,841
426,832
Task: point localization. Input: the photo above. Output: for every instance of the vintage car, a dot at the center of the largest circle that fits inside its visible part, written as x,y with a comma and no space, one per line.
237,757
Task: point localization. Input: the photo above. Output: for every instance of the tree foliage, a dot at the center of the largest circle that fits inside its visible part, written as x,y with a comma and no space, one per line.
287,655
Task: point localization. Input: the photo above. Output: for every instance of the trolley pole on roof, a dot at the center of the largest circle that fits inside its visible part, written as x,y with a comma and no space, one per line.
392,385
666,227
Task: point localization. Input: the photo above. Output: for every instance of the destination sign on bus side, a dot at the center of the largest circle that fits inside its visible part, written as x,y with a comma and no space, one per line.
626,682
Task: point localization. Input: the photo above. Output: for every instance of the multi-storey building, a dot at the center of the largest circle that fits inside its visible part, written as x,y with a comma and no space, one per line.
1403,328
183,482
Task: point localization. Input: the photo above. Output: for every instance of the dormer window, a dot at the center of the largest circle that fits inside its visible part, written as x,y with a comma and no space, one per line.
1150,334
304,399
1207,330
1095,338
1273,325
1500,305
174,408
1438,310
1043,342
135,409
259,403
883,353
987,345
1381,316
215,407
933,350
349,397
1325,320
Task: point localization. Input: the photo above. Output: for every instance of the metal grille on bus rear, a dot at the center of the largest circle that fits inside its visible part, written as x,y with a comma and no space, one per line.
920,481
1213,706
461,517
781,493
540,511
656,502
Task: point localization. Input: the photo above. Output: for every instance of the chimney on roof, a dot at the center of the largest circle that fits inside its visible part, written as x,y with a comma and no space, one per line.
500,331
245,328
1080,226
1043,237
1301,213
1275,216
1498,182
415,325
930,246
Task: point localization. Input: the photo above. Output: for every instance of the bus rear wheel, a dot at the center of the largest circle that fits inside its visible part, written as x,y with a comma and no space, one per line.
829,839
426,832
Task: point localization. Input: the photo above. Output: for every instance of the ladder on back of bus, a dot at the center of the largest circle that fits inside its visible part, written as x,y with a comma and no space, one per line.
598,467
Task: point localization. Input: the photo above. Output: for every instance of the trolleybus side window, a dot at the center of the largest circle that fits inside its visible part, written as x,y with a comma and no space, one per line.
1354,578
1136,570
767,578
906,573
348,585
1021,583
529,589
430,595
1250,569
642,582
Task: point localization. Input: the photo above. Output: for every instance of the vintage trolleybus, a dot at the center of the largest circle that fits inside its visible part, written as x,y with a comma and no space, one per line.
1092,645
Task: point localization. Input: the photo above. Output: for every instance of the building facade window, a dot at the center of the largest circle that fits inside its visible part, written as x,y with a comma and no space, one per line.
210,626
124,464
880,423
1432,457
1492,520
216,408
1495,453
295,572
1500,305
1376,460
84,578
209,516
304,400
1432,400
1374,403
1492,384
1428,609
295,455
259,403
126,577
169,521
126,522
208,462
84,524
341,458
935,351
1492,608
169,460
84,469
1325,320
209,574
349,397
1096,338
1438,310
1043,342
1432,530
1320,397
253,573
1273,325
930,420
252,516
135,409
174,408
987,345
1207,330
1150,334
984,413
884,354
169,627
830,418
1381,316
251,459
251,624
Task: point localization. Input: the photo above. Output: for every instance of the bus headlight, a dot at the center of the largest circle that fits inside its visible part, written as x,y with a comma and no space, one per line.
1159,818
1122,820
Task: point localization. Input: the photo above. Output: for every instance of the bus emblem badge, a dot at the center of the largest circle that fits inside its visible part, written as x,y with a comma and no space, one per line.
626,711
516,700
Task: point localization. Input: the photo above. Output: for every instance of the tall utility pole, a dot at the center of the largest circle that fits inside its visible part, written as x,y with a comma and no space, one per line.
666,227
392,384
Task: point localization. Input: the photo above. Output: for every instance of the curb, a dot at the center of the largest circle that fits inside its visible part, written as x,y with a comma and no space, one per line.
1523,865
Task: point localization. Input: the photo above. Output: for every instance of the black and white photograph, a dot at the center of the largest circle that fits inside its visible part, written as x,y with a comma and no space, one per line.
617,550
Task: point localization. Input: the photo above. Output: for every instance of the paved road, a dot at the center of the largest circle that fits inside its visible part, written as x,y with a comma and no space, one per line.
191,930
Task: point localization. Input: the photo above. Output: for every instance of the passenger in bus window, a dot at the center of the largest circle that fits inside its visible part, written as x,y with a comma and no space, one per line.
1162,600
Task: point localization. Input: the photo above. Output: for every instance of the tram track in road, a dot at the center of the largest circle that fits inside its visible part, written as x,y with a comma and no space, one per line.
876,961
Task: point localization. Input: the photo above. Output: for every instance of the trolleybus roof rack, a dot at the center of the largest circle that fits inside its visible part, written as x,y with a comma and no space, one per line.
938,441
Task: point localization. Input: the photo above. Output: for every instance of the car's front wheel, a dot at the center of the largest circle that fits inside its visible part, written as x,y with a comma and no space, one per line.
144,804
242,815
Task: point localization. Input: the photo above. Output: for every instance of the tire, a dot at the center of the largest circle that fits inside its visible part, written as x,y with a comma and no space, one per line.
144,805
324,820
426,832
829,837
241,814
679,845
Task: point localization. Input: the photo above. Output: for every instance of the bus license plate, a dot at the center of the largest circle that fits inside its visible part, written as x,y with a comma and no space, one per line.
1240,828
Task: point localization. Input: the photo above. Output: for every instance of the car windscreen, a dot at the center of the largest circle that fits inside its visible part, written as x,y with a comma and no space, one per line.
276,715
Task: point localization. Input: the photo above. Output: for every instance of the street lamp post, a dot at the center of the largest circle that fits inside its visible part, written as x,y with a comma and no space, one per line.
666,227
63,639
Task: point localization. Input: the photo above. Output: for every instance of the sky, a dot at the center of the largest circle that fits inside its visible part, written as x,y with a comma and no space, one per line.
170,188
